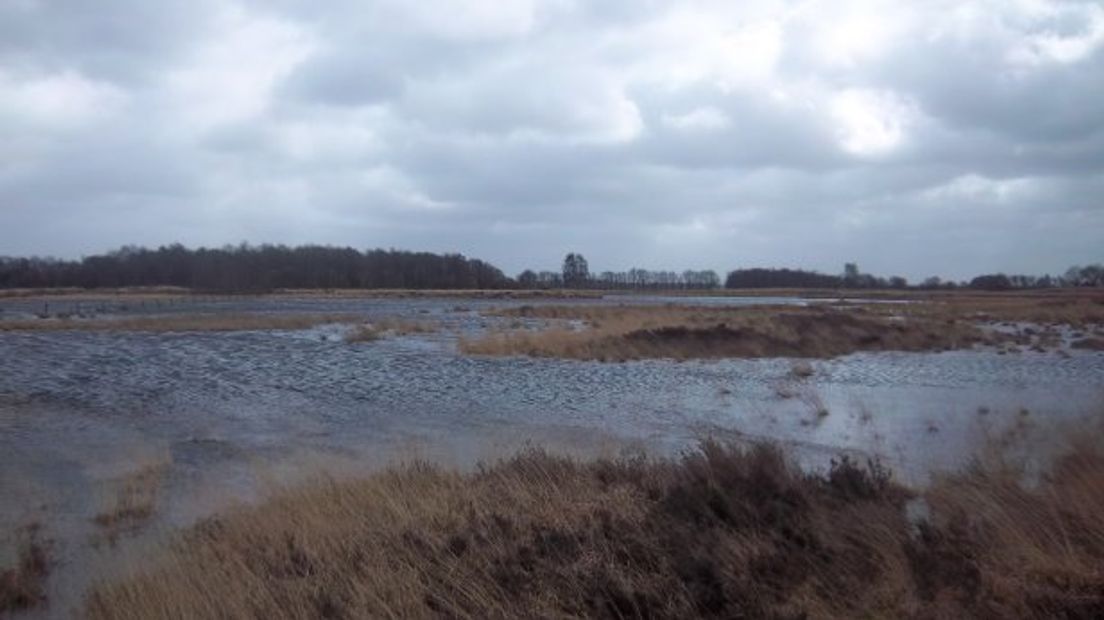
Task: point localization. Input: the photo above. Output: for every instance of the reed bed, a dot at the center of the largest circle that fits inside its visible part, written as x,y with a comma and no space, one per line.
724,531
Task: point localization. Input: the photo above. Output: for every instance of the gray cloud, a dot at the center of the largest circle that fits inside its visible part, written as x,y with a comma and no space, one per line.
942,138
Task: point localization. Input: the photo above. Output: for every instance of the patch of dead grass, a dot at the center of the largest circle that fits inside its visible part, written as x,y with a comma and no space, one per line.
617,333
725,531
131,501
24,585
1077,308
368,332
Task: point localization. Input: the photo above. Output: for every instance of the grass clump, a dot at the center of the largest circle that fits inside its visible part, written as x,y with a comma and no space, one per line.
724,531
369,332
22,586
131,503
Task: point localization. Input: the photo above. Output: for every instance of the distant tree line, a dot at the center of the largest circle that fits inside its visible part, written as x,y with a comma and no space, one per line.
797,278
575,273
266,267
249,268
1090,275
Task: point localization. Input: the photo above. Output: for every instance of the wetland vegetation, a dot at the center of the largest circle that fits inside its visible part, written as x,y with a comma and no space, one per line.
725,530
752,526
948,322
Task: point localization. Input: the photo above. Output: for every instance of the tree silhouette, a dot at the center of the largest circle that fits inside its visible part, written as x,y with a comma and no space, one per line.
576,273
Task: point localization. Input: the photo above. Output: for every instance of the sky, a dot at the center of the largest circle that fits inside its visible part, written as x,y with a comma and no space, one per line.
944,138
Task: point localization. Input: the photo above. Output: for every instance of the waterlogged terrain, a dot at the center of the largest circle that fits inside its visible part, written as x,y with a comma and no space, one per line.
177,424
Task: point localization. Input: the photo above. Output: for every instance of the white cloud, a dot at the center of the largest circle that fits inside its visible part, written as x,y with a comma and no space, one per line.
871,123
231,75
703,132
1050,46
57,101
466,19
699,119
979,189
847,34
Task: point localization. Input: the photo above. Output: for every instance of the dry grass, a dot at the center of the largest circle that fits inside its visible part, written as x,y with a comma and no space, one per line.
1080,308
615,333
182,323
723,532
71,294
996,547
151,293
24,585
439,293
131,501
368,332
931,323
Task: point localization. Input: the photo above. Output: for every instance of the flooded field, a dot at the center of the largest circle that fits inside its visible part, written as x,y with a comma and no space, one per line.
208,418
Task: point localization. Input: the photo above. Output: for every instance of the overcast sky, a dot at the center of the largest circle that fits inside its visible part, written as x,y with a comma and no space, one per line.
916,138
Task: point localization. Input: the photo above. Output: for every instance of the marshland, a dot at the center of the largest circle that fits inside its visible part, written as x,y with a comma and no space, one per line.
346,454
786,309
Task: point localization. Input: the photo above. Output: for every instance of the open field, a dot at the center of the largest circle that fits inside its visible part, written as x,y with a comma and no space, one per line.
724,531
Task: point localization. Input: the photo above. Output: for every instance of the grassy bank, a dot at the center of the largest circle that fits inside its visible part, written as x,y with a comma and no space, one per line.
614,333
721,532
627,332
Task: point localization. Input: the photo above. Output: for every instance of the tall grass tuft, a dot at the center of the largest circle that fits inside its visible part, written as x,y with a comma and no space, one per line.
724,531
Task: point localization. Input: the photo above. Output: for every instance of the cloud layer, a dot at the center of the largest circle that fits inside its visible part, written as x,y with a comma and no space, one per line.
943,138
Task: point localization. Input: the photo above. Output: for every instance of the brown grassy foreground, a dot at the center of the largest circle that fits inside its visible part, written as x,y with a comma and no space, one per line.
614,333
182,323
722,532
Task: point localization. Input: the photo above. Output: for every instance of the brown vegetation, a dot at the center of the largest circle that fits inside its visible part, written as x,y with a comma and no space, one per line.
722,532
368,332
438,293
182,323
23,585
97,294
131,501
1079,308
639,332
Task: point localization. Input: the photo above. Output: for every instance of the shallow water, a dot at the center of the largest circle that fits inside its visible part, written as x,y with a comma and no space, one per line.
224,413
